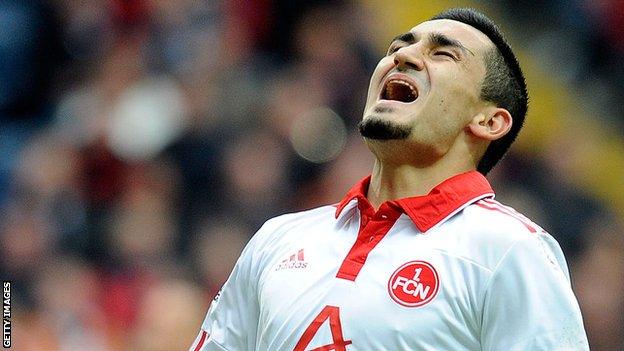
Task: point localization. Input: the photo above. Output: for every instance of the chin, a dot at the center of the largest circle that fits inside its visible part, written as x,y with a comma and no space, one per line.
377,127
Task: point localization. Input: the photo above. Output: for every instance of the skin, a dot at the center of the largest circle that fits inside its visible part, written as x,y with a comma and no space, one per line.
450,125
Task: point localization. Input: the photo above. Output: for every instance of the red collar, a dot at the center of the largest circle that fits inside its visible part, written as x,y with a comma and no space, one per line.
428,210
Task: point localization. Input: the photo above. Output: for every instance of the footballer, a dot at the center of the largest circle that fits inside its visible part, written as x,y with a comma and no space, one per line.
419,255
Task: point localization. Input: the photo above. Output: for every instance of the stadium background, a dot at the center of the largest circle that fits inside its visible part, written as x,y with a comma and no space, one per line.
143,142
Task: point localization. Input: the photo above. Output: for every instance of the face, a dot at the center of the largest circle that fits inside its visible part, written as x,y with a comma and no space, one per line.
427,88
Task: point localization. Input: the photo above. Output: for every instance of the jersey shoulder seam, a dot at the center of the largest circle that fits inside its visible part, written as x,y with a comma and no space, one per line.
518,221
463,258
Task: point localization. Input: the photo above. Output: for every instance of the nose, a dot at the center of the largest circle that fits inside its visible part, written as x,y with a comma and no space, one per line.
404,61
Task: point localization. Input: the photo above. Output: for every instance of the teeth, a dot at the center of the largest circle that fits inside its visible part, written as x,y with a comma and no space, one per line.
400,90
402,82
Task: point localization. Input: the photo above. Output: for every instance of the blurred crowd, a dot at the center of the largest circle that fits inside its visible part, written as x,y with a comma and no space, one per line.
142,143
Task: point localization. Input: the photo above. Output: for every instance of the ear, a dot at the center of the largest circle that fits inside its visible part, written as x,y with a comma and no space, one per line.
491,124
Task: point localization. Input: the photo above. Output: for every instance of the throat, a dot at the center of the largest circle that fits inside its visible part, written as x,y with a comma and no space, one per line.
393,182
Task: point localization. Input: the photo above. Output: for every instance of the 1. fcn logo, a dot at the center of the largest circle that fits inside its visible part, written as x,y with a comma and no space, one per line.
414,284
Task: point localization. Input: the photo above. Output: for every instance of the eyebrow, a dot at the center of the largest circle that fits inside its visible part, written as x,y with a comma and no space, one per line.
436,39
408,37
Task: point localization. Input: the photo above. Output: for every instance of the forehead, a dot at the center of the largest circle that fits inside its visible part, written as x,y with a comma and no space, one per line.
469,36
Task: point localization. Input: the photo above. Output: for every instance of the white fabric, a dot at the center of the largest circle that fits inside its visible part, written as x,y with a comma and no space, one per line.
501,287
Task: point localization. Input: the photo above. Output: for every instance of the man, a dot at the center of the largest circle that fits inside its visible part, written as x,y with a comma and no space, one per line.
418,256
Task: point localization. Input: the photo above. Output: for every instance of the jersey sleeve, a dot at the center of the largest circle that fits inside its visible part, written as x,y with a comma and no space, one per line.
529,303
232,318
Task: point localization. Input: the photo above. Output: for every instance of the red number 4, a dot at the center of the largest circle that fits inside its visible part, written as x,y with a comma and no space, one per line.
339,343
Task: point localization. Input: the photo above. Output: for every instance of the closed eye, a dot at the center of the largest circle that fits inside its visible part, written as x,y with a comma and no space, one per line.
445,53
393,49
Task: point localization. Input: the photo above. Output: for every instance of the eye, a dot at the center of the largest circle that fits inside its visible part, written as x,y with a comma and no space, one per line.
394,48
445,53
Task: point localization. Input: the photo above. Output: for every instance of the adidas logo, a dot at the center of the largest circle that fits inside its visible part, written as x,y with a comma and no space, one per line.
295,261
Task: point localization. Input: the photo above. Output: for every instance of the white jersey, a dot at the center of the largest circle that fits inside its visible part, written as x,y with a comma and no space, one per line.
452,270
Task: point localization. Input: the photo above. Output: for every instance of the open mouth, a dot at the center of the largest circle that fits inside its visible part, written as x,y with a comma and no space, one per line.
399,90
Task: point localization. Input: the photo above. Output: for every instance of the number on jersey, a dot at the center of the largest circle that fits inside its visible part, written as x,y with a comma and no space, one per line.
333,314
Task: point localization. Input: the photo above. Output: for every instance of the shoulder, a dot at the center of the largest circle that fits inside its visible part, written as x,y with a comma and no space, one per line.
279,235
496,216
289,220
277,227
490,221
492,231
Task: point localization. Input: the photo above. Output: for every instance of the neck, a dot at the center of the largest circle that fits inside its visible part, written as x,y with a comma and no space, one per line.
391,182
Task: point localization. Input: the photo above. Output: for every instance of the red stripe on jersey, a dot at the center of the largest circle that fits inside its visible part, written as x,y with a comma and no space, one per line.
204,335
373,227
493,206
511,211
300,255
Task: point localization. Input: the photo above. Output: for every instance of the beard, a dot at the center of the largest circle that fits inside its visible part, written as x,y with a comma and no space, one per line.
379,129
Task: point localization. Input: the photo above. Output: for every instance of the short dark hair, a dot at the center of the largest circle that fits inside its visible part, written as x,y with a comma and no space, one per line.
504,83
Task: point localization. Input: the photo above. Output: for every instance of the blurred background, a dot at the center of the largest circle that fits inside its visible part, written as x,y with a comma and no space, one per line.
142,143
